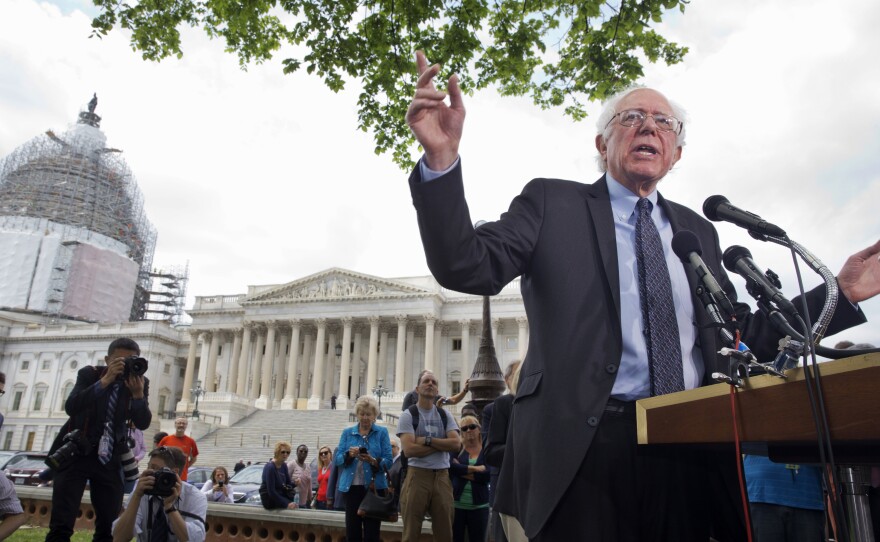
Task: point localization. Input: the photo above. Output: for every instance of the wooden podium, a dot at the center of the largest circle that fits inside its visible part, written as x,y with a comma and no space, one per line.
774,414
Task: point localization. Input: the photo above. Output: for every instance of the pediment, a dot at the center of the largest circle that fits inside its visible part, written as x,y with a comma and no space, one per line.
336,285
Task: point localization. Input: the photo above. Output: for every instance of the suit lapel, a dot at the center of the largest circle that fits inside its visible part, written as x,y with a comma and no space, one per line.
599,204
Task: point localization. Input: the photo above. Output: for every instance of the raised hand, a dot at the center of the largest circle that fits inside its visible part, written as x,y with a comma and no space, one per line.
436,125
859,278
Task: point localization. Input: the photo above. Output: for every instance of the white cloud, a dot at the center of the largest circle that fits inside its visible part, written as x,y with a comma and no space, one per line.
256,177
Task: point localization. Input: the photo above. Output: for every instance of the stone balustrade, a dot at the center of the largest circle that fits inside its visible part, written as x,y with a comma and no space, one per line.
232,522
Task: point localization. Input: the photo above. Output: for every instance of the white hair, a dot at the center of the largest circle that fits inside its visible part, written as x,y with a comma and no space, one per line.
609,109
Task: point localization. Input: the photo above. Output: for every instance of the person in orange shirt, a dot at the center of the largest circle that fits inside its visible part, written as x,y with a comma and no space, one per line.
185,443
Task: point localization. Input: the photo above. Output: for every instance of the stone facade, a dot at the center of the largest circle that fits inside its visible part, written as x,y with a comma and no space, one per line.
274,347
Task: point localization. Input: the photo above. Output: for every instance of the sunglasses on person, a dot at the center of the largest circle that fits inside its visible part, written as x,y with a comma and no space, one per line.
325,452
470,427
287,452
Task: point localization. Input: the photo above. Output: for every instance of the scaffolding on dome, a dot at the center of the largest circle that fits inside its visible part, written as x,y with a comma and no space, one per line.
166,298
74,181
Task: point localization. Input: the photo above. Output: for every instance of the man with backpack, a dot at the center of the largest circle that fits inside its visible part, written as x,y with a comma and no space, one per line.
428,433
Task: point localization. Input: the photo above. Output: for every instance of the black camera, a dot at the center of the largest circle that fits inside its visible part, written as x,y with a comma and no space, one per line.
75,445
363,450
165,480
134,366
220,483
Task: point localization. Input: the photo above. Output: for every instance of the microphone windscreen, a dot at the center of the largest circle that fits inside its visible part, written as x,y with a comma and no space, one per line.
684,242
733,255
710,207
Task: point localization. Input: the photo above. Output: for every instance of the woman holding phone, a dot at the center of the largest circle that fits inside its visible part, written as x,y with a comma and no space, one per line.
364,454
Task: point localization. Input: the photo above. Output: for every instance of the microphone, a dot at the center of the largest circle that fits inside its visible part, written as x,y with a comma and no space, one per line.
738,260
687,247
719,208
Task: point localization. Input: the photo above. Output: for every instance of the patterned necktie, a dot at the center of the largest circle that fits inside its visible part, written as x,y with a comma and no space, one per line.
159,533
658,309
105,448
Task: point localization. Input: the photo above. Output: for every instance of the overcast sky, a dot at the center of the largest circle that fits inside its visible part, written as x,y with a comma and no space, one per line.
259,178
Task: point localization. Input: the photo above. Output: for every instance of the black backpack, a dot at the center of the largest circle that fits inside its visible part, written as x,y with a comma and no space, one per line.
404,464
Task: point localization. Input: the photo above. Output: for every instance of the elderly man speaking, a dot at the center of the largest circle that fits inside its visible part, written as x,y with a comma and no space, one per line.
612,317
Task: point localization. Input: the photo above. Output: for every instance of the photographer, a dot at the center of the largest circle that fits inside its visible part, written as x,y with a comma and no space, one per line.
89,445
173,511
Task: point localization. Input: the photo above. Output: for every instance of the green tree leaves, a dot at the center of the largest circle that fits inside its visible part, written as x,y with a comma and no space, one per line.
560,53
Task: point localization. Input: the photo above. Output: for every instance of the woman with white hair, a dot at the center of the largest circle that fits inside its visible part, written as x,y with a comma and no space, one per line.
364,454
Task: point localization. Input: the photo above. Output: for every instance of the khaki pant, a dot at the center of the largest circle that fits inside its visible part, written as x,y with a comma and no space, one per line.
426,490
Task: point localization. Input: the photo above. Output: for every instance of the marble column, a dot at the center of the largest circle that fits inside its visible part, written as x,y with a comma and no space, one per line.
207,337
496,328
344,364
356,364
318,370
467,361
264,400
292,361
257,364
279,369
372,367
429,343
244,361
330,365
399,355
442,372
190,370
383,358
304,373
410,376
232,377
522,341
211,373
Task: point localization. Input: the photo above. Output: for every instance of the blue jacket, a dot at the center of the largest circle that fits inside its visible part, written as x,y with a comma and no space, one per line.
458,467
378,445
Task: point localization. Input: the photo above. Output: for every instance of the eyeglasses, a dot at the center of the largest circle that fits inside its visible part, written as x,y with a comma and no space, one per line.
470,427
634,117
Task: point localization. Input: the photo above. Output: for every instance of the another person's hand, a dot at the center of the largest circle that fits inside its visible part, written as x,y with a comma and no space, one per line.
353,451
135,384
145,482
115,367
437,126
292,506
859,278
171,499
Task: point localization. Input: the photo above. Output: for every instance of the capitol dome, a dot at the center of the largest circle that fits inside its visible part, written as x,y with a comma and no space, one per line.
72,219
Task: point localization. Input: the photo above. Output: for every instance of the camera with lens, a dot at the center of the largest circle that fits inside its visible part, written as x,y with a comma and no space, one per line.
75,445
165,480
134,366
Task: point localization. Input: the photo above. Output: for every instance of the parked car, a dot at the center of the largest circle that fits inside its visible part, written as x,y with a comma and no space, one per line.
246,485
9,458
197,476
25,472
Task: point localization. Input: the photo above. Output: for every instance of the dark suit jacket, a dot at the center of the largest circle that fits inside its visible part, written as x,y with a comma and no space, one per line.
88,411
559,237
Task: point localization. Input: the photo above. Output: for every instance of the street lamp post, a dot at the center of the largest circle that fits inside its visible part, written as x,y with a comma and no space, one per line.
197,392
380,391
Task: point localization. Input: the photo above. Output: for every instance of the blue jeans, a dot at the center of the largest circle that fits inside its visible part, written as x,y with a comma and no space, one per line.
777,523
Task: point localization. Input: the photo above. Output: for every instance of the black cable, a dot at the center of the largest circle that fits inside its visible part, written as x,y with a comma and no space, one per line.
817,405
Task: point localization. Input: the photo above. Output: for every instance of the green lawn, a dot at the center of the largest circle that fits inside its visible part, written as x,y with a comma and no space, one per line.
38,534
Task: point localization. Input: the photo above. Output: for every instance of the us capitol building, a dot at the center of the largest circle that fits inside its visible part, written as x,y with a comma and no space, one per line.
77,273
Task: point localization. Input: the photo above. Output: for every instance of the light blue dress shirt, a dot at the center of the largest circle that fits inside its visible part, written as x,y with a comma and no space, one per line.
633,377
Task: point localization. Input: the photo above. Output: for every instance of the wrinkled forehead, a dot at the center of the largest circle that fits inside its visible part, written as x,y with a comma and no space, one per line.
647,100
428,377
